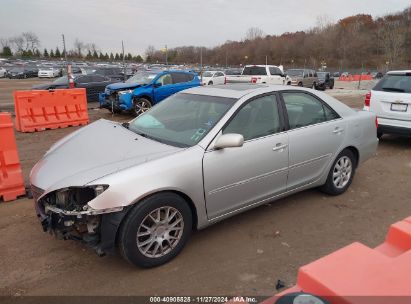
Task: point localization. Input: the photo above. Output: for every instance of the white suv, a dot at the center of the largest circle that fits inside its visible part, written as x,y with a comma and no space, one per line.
390,100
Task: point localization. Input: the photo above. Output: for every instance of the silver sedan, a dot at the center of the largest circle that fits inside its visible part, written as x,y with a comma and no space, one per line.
196,158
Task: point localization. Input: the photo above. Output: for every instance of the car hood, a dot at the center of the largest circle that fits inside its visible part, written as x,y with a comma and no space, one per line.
122,86
47,86
94,151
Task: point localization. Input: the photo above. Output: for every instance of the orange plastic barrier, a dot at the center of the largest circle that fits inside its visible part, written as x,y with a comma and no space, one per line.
11,177
356,273
355,77
41,110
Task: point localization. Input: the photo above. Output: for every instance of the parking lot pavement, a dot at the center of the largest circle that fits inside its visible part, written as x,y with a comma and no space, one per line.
244,255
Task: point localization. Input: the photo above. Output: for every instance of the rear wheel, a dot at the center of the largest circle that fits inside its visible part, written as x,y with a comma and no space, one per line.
341,174
210,83
379,134
156,230
300,84
141,105
314,87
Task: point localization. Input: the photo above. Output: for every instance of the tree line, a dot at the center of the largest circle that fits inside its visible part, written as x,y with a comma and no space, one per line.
27,45
353,42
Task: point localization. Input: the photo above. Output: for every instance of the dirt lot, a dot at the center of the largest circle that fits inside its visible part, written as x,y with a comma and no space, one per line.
244,255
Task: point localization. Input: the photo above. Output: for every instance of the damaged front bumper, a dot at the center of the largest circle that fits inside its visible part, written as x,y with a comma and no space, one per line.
95,228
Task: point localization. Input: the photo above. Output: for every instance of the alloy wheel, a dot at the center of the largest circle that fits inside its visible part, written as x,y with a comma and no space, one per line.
160,232
141,106
342,172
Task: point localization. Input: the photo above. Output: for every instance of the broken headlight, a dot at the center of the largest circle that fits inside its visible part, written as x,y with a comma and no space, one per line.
75,198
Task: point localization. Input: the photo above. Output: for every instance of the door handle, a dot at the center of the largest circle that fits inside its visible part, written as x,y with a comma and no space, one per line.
338,130
280,147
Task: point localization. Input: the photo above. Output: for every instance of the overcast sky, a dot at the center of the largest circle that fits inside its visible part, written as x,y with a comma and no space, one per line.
171,22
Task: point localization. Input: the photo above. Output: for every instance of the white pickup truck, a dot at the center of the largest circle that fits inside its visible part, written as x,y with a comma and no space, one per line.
269,74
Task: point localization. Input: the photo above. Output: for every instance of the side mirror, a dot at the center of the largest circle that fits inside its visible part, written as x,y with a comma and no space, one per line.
157,84
229,141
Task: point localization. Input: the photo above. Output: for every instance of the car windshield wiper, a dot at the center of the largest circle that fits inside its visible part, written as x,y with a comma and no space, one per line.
393,90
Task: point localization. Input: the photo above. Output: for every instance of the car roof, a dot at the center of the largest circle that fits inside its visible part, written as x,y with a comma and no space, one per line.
227,90
400,72
260,65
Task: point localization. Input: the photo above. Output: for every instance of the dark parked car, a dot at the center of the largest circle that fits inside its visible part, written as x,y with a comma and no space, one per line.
325,80
115,74
94,85
22,72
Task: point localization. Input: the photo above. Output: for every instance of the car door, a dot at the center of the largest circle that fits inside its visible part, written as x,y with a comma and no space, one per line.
85,82
219,78
235,178
315,134
163,87
181,81
276,76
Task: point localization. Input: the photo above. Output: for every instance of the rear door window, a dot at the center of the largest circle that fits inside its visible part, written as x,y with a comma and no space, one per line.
180,77
305,110
395,83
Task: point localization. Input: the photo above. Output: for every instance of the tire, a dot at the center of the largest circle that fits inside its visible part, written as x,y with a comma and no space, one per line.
141,105
331,87
210,83
314,87
289,83
379,135
339,180
300,84
144,250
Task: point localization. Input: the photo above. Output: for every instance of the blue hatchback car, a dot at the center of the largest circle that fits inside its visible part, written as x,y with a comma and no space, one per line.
145,89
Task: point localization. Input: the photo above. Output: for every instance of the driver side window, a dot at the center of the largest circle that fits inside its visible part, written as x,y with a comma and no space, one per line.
257,118
165,79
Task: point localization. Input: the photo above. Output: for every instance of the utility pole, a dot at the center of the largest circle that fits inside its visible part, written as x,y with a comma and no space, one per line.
201,64
226,59
124,63
266,60
166,55
65,58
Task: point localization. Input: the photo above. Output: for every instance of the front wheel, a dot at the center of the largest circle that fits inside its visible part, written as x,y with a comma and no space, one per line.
341,174
156,230
210,83
140,106
300,84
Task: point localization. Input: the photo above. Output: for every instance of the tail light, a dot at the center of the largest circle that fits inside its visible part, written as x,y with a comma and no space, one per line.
254,80
376,122
367,100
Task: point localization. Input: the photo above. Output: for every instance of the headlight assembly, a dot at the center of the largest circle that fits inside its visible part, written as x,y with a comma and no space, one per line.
76,198
125,92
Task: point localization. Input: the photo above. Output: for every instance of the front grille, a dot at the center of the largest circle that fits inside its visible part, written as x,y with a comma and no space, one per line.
36,192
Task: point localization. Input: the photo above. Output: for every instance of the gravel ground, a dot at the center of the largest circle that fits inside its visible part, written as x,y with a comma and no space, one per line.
244,255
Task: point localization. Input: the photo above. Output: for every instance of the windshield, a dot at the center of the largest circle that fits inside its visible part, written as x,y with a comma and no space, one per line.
142,77
182,120
17,70
61,80
395,83
233,72
295,73
255,70
208,74
321,75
